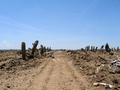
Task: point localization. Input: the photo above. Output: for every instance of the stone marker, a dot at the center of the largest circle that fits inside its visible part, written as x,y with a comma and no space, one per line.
23,50
107,47
41,51
34,47
102,46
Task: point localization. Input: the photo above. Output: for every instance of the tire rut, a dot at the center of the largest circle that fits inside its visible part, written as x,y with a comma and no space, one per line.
77,76
40,81
39,70
48,78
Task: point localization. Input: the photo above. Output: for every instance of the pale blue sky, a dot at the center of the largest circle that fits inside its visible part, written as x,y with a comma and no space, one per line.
66,24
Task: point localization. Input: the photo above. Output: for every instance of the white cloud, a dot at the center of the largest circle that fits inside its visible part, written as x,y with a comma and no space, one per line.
7,45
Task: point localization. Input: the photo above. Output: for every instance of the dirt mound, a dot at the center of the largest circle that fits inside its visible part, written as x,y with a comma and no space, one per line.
98,67
12,60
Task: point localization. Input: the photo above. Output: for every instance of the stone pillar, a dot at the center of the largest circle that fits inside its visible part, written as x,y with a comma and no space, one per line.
34,47
23,50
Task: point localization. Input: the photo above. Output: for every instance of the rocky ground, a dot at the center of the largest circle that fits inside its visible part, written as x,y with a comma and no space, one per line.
60,70
101,68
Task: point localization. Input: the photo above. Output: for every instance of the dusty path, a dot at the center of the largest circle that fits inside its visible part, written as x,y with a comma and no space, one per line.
52,74
58,74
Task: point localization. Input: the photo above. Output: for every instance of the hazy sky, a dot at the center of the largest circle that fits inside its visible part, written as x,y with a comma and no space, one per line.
67,24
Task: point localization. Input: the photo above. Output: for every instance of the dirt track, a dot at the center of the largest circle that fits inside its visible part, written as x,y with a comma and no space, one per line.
58,74
52,74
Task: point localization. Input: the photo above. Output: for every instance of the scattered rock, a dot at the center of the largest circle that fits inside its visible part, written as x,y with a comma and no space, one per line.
115,63
95,84
69,53
8,86
103,84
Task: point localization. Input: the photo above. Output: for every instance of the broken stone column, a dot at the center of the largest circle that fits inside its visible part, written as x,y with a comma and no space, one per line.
102,46
91,48
34,47
84,50
49,49
87,48
117,48
23,50
41,51
96,48
44,49
107,47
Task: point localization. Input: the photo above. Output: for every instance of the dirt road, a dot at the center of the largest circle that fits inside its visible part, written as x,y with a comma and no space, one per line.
52,74
58,74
